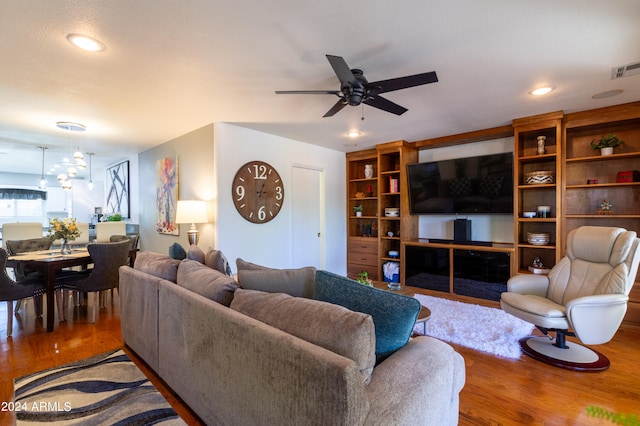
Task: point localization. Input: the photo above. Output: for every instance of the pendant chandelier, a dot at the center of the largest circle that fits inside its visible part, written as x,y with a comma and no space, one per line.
78,157
42,182
90,183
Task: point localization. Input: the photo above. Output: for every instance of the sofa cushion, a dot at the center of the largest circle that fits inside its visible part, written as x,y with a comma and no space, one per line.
195,253
216,259
205,281
347,333
158,265
394,315
298,282
176,251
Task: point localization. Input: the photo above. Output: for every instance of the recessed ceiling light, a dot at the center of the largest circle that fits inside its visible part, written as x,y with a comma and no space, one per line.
541,91
86,43
72,127
353,134
607,94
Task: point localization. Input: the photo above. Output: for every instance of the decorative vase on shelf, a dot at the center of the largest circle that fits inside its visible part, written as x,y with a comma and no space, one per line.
606,151
541,140
66,248
368,171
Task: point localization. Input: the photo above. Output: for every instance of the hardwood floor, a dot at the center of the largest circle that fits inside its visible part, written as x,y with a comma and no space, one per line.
497,391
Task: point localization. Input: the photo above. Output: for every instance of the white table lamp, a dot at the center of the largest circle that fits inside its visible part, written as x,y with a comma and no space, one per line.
191,211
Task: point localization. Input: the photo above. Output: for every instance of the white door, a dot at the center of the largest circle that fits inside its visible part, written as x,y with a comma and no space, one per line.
307,217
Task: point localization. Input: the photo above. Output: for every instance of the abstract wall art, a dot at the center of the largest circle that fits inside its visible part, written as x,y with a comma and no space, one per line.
118,189
166,195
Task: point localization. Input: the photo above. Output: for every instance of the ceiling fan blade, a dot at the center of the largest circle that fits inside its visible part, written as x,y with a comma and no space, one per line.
385,105
334,109
307,92
399,83
342,70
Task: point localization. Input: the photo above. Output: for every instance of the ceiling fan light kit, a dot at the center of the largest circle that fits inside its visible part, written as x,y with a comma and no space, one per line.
356,90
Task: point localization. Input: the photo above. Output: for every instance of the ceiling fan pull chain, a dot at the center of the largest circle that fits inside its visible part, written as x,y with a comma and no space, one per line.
362,117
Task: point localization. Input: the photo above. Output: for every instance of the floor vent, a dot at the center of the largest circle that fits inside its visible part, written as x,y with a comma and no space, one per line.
625,70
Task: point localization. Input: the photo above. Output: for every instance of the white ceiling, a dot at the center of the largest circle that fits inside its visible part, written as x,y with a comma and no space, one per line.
173,66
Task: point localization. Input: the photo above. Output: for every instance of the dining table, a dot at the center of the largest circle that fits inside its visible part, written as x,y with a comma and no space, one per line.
49,262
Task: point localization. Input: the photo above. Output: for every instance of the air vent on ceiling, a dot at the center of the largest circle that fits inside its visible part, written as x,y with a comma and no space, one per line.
625,70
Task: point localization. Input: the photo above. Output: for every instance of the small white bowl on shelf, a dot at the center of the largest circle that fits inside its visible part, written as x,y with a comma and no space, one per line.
392,212
529,215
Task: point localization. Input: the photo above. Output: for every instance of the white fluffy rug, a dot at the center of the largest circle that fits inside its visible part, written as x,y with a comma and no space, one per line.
477,327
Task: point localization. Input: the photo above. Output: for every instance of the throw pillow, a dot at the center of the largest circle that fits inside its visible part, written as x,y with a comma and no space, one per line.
394,315
176,251
295,282
344,332
158,265
243,264
216,259
207,282
195,253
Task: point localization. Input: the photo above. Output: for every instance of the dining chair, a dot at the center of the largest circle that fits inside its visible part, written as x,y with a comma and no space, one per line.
104,230
20,272
20,231
10,290
132,238
107,259
83,239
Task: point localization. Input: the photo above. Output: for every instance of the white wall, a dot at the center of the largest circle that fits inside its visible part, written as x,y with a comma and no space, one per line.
498,228
195,182
271,243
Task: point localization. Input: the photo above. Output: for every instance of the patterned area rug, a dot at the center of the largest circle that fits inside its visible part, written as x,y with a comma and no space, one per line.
473,326
106,389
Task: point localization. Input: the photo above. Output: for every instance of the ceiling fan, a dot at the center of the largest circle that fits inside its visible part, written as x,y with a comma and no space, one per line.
355,89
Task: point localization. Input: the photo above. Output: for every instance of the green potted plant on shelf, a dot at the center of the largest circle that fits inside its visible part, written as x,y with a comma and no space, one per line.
363,278
606,144
358,210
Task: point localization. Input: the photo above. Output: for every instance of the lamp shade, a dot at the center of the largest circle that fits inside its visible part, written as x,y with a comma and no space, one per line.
191,211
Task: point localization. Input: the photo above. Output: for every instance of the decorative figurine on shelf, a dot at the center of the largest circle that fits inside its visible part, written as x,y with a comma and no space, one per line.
541,140
360,195
537,267
368,171
606,208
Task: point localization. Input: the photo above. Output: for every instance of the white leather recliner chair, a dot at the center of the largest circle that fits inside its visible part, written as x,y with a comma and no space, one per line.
585,295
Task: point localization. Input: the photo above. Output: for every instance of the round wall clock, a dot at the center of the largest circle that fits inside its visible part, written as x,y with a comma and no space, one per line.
258,192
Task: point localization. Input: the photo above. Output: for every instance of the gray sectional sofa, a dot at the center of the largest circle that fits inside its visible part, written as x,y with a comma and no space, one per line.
237,356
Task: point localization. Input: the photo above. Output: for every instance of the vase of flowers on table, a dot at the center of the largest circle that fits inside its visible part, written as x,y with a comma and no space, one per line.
64,229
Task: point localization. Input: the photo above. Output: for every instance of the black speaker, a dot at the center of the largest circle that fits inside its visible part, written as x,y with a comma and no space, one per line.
462,230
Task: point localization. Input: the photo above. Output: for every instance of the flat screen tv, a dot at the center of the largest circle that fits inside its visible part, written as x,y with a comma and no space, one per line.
472,185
